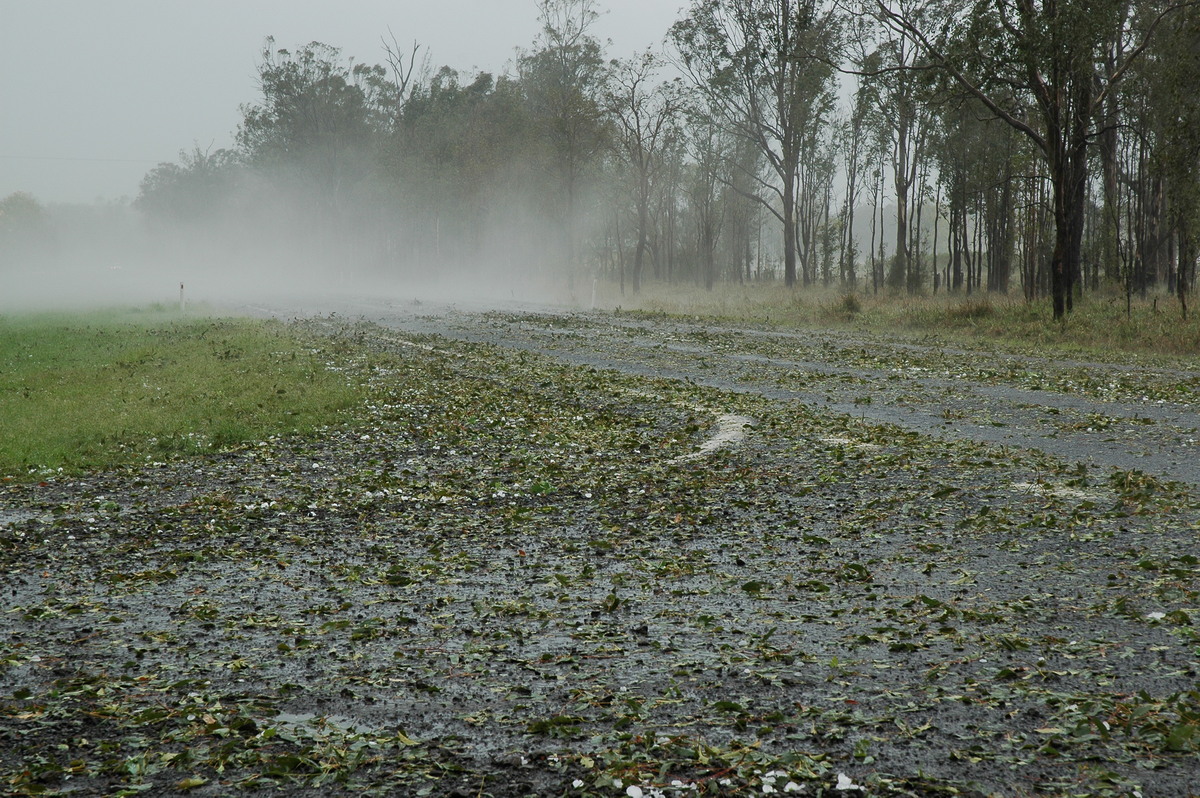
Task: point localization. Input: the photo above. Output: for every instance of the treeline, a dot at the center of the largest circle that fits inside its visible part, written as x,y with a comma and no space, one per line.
916,147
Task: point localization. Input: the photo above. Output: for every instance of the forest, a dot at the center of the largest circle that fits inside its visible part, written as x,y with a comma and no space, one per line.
1043,149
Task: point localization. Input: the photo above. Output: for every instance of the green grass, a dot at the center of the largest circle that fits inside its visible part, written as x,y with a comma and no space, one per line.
94,390
1098,326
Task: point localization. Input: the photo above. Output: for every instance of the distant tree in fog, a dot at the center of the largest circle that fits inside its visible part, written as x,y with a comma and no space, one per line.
647,117
196,189
766,69
563,78
25,230
21,214
312,143
460,162
317,121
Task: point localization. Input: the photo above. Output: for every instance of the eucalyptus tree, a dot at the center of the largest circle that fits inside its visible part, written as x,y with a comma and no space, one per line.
410,72
815,227
853,138
564,79
875,148
645,116
1037,66
312,142
892,70
1138,221
981,164
316,122
765,69
955,146
742,203
194,190
1133,216
1168,79
461,151
709,147
669,203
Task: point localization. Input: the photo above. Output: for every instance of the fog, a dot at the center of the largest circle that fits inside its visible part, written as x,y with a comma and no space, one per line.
95,94
99,96
110,254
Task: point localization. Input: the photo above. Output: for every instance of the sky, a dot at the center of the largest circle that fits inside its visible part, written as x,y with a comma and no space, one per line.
95,93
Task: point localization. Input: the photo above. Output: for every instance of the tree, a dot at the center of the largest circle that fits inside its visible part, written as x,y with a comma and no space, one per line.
312,143
742,203
645,118
979,162
853,139
195,190
407,76
1168,80
1036,66
765,69
460,155
25,229
892,75
710,151
563,79
317,122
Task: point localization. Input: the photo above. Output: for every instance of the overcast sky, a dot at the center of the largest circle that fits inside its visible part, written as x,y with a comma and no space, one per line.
94,93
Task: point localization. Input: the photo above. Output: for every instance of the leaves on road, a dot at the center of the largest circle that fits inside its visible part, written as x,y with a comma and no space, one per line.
500,578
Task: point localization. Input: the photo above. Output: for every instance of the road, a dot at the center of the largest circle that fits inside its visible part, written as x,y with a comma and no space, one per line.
1124,416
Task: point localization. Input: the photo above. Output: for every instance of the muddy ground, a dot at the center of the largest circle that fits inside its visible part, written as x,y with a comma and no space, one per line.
518,569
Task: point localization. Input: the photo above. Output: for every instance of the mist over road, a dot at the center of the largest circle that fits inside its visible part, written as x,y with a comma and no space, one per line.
1101,415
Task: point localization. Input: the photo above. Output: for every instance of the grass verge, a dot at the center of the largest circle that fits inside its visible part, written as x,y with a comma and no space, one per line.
98,389
1100,323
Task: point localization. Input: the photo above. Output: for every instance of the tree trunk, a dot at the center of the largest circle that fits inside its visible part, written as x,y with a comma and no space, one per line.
1187,256
620,251
1068,177
789,233
709,245
639,254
